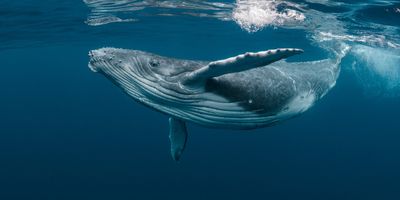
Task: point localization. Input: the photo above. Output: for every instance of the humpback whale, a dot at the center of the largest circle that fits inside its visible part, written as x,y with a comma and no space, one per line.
247,91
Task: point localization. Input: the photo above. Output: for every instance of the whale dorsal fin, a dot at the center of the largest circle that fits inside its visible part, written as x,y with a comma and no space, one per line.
239,63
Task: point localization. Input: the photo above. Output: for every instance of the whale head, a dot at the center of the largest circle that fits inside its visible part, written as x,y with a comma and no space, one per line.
104,58
140,63
151,79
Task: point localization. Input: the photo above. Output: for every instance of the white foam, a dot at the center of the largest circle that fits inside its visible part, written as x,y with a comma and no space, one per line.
253,15
378,70
375,40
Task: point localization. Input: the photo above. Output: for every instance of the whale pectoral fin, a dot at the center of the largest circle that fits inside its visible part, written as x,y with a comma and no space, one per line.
240,63
177,137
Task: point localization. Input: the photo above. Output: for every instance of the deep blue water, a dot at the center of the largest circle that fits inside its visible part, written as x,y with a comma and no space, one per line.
67,133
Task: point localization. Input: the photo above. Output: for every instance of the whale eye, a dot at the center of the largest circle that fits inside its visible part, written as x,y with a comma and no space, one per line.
154,63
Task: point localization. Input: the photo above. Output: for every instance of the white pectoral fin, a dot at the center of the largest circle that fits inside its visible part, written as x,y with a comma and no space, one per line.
177,137
240,63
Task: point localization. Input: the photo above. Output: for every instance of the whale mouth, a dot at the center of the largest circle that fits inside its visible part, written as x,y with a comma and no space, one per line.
92,61
98,58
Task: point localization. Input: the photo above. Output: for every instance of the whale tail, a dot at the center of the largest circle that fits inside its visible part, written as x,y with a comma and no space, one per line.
341,51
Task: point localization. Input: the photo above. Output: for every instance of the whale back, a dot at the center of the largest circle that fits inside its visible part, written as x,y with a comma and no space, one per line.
269,90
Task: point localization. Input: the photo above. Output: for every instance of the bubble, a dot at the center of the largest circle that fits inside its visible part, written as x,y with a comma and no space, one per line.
378,70
253,15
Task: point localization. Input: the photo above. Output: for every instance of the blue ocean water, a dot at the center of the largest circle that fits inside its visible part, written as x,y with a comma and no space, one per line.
67,133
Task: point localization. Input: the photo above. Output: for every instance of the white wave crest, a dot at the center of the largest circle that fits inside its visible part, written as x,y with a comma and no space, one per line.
374,40
253,15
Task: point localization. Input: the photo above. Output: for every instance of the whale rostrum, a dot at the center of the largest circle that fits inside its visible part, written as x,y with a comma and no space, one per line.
248,91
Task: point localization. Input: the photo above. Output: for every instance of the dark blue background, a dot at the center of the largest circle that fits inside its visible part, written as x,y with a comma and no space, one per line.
68,133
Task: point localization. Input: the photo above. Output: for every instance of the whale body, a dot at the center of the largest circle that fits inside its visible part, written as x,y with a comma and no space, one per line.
247,91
